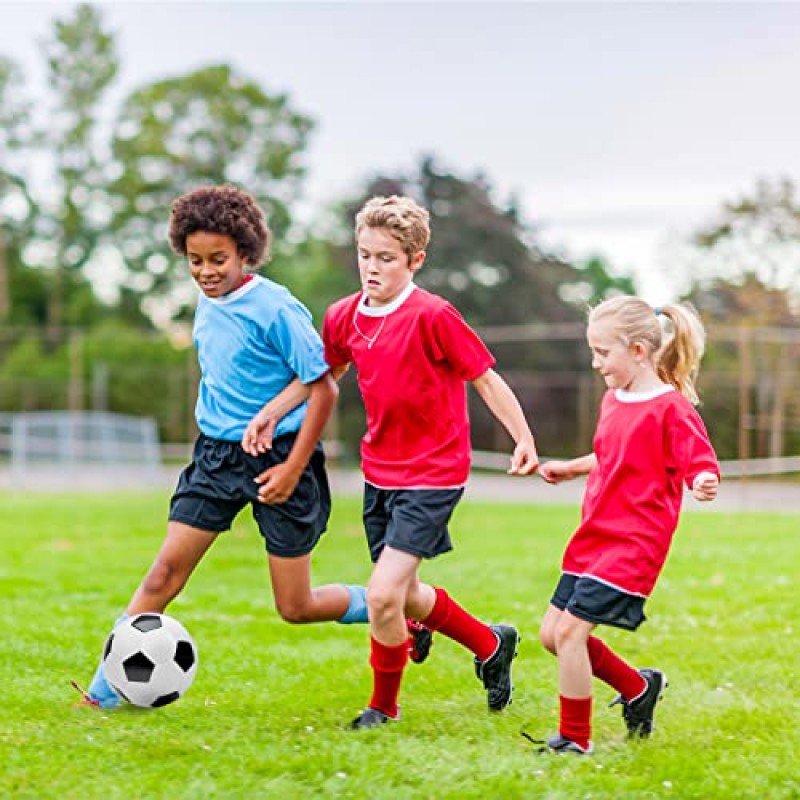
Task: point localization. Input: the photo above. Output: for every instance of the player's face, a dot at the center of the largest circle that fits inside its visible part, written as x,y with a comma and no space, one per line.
384,266
613,359
215,263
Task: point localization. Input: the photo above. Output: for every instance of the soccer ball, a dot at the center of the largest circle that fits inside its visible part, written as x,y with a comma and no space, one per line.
150,660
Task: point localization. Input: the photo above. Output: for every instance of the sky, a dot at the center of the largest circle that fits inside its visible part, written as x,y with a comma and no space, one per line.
619,127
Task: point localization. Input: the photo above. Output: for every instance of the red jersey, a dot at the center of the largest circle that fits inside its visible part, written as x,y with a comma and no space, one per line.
413,359
647,449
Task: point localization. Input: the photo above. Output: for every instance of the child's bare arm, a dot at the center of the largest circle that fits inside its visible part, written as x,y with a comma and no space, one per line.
557,471
258,435
277,483
503,404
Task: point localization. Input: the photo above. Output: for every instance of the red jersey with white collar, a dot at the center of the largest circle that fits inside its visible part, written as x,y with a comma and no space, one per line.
648,446
413,358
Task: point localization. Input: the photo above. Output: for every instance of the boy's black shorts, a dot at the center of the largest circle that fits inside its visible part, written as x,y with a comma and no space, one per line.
589,599
411,520
219,483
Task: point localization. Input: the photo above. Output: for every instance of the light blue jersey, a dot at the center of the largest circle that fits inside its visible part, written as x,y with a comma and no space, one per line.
251,344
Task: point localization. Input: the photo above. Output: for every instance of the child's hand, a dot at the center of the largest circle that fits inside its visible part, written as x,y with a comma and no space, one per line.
277,483
524,460
705,486
257,438
556,471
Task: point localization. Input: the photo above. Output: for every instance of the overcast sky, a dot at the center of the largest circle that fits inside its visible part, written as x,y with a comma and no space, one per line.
619,126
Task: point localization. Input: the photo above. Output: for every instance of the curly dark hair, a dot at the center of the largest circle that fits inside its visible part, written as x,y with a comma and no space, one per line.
221,209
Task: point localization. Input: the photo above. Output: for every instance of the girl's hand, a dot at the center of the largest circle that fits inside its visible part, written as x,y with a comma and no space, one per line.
556,471
705,486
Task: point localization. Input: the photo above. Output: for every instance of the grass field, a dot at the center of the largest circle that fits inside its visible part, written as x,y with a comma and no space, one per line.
268,711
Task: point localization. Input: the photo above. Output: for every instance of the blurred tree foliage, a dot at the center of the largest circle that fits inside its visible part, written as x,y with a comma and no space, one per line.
209,127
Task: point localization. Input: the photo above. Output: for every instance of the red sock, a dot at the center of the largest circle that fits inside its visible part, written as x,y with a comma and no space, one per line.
388,663
576,719
449,618
610,668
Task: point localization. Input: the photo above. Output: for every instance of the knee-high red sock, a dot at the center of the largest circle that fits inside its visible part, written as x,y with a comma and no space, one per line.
388,663
575,722
610,668
455,622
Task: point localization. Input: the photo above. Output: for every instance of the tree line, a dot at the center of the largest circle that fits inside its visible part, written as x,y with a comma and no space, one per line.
85,268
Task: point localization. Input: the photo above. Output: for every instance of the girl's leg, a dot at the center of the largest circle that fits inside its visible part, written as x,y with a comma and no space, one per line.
574,680
548,628
295,599
611,669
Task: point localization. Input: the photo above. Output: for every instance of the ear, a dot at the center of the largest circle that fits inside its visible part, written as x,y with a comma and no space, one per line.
416,261
639,351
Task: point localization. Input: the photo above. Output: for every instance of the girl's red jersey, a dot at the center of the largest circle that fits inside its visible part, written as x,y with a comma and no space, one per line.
647,450
413,359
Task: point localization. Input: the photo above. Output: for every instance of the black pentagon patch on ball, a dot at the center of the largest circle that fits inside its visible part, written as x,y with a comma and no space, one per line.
138,668
184,656
165,699
146,622
107,648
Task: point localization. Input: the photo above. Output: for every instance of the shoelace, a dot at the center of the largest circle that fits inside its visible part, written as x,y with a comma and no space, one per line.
84,695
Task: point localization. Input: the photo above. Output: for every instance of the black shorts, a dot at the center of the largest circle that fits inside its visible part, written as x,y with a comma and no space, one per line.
593,601
411,520
219,483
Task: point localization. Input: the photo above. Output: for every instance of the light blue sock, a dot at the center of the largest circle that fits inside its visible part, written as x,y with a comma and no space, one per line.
100,689
357,610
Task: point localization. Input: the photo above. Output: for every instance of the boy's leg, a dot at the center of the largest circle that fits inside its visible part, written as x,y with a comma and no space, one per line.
180,553
394,572
297,602
494,646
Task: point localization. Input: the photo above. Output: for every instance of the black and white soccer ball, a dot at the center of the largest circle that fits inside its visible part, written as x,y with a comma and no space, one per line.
150,660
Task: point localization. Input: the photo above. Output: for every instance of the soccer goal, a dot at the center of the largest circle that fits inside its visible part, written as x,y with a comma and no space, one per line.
80,448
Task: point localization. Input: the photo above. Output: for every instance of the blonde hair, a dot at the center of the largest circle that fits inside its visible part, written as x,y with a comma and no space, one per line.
405,220
673,335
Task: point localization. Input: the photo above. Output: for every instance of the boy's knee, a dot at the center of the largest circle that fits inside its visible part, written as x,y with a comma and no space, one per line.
163,578
294,613
380,602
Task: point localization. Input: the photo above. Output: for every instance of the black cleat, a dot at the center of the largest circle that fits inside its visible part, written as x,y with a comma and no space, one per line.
420,640
560,744
370,718
495,672
638,713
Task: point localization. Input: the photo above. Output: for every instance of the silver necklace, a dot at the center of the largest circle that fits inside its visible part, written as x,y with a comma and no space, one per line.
370,340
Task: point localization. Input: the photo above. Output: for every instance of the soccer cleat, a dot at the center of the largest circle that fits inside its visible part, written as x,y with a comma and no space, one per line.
559,744
638,713
100,692
495,672
370,718
420,640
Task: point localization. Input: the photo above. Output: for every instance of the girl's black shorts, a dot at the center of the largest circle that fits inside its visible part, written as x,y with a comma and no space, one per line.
594,601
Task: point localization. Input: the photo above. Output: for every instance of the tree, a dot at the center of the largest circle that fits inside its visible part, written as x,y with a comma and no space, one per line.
756,235
209,127
82,63
16,205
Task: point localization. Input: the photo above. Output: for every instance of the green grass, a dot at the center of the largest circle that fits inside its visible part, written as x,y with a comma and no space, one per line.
267,715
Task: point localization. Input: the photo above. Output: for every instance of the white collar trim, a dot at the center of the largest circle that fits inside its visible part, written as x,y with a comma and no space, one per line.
382,311
235,295
640,397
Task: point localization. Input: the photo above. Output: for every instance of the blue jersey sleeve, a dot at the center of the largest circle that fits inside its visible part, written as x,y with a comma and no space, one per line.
293,336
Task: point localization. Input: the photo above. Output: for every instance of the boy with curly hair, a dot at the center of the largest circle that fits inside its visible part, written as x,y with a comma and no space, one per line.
253,338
